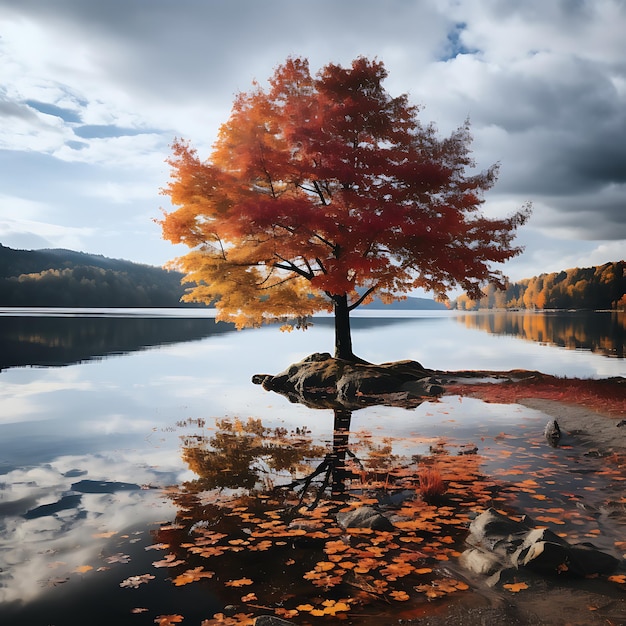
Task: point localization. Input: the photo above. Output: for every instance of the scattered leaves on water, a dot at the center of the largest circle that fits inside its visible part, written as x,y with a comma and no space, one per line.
134,581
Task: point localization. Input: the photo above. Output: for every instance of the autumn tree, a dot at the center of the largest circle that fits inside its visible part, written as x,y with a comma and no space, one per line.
321,192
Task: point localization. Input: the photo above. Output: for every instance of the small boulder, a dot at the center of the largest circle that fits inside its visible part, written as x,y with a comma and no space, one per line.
552,433
364,517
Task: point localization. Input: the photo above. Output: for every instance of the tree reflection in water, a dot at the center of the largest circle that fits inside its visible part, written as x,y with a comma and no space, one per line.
262,520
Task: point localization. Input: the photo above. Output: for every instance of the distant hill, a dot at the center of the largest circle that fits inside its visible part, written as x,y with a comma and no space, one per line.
601,287
59,277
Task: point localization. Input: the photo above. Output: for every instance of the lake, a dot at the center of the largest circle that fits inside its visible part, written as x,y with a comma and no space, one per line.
124,431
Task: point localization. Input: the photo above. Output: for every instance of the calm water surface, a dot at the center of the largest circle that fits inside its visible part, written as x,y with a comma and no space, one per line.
97,408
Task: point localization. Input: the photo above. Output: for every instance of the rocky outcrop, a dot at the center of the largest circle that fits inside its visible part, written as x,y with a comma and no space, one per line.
322,381
499,544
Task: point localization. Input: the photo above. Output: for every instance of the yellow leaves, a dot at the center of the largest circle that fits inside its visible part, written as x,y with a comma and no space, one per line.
82,569
192,575
515,587
327,607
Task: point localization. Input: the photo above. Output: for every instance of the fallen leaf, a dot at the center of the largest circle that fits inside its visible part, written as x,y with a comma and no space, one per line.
192,575
241,582
515,587
168,620
134,581
400,596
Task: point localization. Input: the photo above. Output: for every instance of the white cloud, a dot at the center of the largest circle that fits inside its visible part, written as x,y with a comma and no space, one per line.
543,84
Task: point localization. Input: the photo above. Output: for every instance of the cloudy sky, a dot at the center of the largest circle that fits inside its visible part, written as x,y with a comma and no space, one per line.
92,93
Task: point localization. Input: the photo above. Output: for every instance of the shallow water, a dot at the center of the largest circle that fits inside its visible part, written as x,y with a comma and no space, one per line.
92,437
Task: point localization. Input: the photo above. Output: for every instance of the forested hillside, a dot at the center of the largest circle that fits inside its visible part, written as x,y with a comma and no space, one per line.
600,287
75,279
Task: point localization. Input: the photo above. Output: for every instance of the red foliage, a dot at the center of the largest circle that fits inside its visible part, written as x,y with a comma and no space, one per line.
319,186
605,395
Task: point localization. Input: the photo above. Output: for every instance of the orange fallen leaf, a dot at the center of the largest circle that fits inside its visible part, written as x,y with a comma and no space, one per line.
400,596
515,587
241,582
618,578
249,597
81,569
168,620
191,575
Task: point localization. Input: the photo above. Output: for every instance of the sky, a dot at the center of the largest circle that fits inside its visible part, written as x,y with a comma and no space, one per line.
92,94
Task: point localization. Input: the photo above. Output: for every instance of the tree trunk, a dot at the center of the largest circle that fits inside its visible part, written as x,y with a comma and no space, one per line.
341,435
343,337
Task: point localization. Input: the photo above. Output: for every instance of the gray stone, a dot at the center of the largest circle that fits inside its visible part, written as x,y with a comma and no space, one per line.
552,433
364,517
499,544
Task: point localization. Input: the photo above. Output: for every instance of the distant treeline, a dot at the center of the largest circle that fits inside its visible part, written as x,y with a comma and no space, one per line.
64,278
600,287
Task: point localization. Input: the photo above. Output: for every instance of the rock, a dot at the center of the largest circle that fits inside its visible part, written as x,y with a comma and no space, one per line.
552,433
499,543
480,562
321,381
364,517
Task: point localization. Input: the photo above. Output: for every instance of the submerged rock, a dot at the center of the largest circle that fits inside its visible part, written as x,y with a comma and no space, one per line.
552,433
499,543
322,381
364,517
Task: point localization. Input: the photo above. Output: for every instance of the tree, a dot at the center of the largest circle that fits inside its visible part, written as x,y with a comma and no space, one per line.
323,191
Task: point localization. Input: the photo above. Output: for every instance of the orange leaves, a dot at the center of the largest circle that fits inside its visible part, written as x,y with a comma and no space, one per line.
620,579
241,582
251,214
515,587
441,587
191,576
327,607
168,620
169,561
400,596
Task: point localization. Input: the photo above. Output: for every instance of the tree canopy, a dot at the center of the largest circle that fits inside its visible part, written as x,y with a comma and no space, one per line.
323,191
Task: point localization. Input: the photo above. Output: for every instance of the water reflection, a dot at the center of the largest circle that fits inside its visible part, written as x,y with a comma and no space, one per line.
599,331
64,431
385,527
54,341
